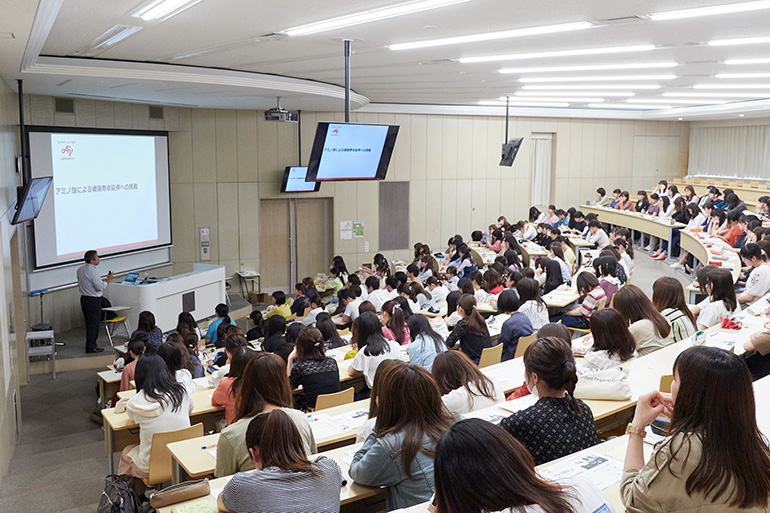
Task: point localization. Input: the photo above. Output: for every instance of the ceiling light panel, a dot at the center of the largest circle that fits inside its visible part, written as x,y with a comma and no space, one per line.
573,99
738,62
497,103
558,53
609,94
732,86
160,10
493,36
674,100
108,39
369,16
742,75
592,87
711,11
535,80
626,106
740,41
592,67
695,94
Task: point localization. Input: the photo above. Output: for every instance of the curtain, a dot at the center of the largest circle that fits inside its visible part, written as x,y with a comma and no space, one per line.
541,168
730,151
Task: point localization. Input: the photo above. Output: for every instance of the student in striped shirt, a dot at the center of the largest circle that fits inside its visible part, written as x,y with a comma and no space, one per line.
591,294
668,298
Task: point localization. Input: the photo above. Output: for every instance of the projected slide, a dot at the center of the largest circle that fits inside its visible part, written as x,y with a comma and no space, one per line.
351,151
109,192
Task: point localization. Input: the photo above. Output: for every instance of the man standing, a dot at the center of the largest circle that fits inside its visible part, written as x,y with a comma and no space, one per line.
91,287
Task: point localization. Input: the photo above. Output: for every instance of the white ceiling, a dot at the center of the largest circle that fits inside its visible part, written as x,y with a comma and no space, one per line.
307,71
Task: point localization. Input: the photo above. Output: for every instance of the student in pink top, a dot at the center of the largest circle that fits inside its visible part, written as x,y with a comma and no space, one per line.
393,323
625,202
551,217
227,391
136,347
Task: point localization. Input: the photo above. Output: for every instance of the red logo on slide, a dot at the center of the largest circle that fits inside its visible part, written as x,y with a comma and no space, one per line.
67,150
336,131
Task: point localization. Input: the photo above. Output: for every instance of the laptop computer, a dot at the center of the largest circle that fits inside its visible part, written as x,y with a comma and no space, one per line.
131,278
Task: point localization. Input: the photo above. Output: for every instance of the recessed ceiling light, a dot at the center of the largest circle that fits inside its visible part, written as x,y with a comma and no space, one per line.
671,100
497,103
109,38
712,95
162,9
369,16
611,94
710,11
680,119
732,86
626,106
740,115
592,87
740,41
573,99
558,53
742,75
534,80
738,62
593,67
492,36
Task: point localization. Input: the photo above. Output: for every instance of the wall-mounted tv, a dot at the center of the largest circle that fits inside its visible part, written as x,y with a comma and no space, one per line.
510,150
31,199
351,151
294,181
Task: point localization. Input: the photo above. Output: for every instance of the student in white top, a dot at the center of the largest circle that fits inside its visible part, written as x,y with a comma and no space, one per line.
438,292
425,270
532,305
721,301
424,297
355,281
477,280
626,254
452,317
597,235
173,355
316,307
650,329
160,404
351,303
373,348
759,279
473,450
463,387
613,344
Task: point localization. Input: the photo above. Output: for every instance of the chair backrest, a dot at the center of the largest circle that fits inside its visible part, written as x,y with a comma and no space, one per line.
602,303
524,257
524,343
307,311
324,401
665,383
477,260
491,356
160,457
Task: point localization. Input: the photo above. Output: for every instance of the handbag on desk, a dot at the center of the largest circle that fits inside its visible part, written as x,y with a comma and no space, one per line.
609,383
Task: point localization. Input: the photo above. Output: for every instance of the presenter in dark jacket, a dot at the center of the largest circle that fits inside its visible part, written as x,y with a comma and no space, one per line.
91,287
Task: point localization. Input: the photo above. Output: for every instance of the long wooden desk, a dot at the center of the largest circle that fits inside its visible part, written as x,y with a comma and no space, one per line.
109,384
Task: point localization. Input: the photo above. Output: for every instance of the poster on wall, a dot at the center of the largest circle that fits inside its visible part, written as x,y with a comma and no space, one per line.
346,230
358,229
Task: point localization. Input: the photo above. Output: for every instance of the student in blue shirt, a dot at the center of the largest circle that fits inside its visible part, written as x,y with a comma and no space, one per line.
221,311
425,344
516,326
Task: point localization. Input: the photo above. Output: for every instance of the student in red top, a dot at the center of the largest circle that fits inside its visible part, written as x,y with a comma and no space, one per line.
734,230
136,347
227,391
591,293
492,282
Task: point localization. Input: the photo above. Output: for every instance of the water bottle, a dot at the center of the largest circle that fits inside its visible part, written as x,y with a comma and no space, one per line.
700,338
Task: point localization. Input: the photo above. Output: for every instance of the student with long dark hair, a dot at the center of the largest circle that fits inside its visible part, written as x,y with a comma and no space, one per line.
668,299
175,355
758,282
650,329
517,324
328,330
399,453
558,424
613,344
473,450
553,278
265,387
160,404
146,325
721,300
275,333
185,323
373,348
532,305
426,343
470,335
257,326
452,317
715,458
394,325
226,392
606,269
309,366
463,386
284,480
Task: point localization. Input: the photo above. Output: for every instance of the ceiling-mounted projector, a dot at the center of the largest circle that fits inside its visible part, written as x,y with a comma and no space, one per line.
280,114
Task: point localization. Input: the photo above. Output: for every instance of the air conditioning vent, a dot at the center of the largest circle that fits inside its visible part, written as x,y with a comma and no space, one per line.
156,112
64,105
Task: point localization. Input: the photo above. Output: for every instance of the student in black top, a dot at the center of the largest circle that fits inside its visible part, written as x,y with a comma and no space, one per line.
470,335
309,366
578,223
256,322
300,301
331,336
558,424
274,335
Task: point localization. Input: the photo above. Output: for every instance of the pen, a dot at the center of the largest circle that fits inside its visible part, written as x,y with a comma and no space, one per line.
212,446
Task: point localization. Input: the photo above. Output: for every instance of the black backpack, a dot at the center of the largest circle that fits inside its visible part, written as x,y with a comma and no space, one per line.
119,496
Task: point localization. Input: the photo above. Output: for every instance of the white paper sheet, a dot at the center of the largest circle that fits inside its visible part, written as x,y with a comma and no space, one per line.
213,453
322,426
601,470
350,420
522,403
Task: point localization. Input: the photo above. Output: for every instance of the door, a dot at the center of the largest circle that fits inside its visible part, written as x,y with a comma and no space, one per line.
274,244
542,168
313,229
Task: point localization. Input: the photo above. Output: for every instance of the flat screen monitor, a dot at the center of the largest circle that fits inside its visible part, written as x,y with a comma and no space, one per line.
510,150
294,181
351,151
31,199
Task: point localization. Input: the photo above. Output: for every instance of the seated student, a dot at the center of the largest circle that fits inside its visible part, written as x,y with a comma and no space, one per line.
535,216
274,334
310,287
474,449
309,366
495,243
220,311
493,284
350,303
579,224
759,280
374,294
552,276
710,461
136,347
721,300
411,272
438,292
734,204
466,266
190,342
329,331
279,306
316,307
464,388
470,335
225,328
186,324
668,298
615,198
624,202
734,230
620,269
718,225
172,354
231,343
160,404
425,343
477,281
264,387
613,344
591,294
425,268
558,424
452,316
146,325
452,277
394,323
642,203
597,235
399,453
256,322
606,269
354,283
423,297
513,261
650,329
405,290
557,253
373,348
301,301
335,282
757,355
626,251
285,480
516,326
532,305
601,198
227,390
550,217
